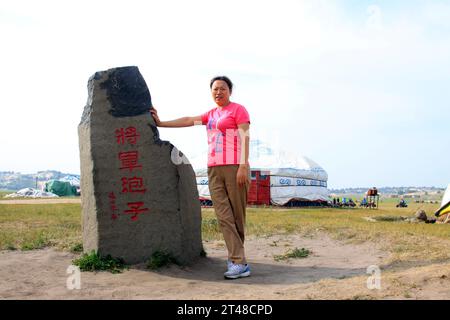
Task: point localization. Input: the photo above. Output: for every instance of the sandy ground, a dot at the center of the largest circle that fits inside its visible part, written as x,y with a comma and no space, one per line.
334,271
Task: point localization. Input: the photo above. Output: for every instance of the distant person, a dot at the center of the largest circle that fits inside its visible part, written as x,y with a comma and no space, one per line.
364,202
227,126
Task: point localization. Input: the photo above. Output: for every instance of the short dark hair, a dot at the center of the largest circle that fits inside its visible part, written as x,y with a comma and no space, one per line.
223,78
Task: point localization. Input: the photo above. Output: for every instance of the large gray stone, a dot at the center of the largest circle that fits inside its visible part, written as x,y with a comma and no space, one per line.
135,199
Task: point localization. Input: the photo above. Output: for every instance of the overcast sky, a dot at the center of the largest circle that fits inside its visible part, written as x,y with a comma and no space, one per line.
361,87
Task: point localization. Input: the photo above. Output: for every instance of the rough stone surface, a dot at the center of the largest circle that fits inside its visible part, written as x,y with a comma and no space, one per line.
421,215
135,199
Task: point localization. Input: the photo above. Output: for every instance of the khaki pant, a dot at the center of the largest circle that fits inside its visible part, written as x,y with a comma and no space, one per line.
229,202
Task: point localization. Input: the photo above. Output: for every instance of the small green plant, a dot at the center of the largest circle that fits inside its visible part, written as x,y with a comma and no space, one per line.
160,259
77,248
295,253
38,242
94,262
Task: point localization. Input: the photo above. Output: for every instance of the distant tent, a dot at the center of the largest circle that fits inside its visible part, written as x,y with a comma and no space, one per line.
61,188
445,204
278,177
31,193
74,180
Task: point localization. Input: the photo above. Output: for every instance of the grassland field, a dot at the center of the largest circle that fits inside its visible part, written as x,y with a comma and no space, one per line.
35,226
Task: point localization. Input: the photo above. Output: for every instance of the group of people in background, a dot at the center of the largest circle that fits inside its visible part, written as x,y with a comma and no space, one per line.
344,202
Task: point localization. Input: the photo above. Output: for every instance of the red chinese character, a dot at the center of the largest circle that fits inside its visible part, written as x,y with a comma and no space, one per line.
133,185
120,136
113,207
129,134
129,160
135,209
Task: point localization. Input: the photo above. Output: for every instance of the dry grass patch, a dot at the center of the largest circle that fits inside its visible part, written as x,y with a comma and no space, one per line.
28,227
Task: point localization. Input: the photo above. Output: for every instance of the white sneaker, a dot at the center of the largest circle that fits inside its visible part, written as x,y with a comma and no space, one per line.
237,271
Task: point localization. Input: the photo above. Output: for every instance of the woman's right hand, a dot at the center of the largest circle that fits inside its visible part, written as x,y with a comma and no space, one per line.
155,117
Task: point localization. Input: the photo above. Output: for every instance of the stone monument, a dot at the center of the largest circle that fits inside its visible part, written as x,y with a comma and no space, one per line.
138,196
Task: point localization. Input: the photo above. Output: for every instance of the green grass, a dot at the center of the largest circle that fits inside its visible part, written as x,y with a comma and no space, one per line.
161,259
263,222
95,262
28,227
77,248
210,228
293,254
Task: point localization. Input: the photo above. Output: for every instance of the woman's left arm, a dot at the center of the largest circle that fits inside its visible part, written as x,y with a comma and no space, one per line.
244,167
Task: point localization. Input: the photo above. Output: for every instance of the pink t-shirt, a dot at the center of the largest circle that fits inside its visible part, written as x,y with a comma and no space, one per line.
224,141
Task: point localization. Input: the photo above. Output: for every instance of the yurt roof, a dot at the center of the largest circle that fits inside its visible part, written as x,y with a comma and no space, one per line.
278,162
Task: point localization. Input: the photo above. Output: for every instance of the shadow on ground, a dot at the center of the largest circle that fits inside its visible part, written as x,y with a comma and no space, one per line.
212,269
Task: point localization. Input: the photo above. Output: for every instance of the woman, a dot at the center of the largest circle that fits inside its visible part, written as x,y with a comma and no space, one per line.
227,127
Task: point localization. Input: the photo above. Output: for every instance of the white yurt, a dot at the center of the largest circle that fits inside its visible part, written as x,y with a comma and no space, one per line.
278,177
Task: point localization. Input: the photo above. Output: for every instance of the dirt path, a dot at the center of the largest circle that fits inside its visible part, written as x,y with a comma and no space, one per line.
334,271
42,273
